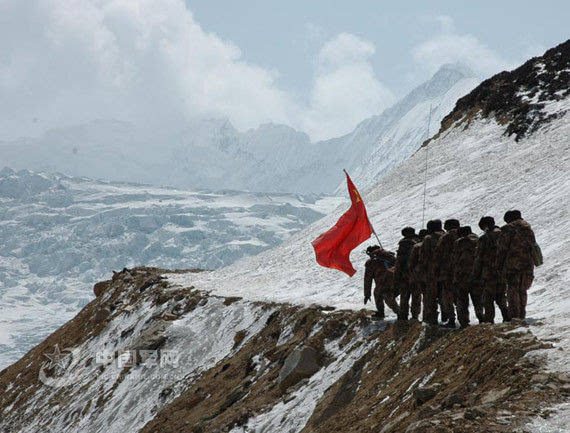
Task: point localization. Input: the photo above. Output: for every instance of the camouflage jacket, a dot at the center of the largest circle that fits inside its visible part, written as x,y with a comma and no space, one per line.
383,277
402,270
427,255
414,272
443,270
463,258
514,249
484,268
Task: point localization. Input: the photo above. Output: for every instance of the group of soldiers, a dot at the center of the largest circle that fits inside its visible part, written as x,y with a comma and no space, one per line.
446,266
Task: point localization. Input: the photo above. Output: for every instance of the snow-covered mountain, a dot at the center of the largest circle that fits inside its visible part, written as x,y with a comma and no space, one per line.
241,331
60,235
475,168
506,145
404,127
211,153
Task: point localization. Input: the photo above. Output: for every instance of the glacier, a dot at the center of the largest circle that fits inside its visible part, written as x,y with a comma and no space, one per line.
61,234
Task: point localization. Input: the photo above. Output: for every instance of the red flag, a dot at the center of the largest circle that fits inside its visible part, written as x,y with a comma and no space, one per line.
333,247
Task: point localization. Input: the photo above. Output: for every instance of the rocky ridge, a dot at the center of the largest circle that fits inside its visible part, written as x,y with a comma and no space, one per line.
369,376
519,99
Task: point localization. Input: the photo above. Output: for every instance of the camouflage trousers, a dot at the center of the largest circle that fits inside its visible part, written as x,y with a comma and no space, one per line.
448,301
432,296
517,286
494,292
441,302
411,291
381,297
462,293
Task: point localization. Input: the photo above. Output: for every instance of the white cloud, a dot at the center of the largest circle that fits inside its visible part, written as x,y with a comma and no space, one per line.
64,62
346,89
449,46
69,61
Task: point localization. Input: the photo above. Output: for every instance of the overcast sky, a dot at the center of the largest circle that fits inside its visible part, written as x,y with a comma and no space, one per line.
319,66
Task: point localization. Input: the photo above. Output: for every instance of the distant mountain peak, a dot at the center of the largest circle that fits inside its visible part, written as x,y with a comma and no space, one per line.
518,99
457,68
445,78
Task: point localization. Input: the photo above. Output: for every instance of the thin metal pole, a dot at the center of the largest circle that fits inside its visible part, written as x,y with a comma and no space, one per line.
426,170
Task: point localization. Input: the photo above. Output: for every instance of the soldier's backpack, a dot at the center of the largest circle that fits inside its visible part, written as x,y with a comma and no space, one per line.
537,255
404,251
464,256
387,258
523,243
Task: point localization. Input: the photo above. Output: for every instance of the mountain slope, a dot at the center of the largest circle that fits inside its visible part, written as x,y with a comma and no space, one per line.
523,99
149,357
210,153
475,169
381,376
405,125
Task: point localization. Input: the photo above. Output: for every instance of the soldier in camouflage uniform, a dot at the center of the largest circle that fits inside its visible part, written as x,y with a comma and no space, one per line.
515,262
402,281
378,300
444,270
427,268
417,279
463,259
485,273
380,269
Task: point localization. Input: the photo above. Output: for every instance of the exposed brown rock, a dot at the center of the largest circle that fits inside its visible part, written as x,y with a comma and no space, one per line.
478,379
516,98
100,287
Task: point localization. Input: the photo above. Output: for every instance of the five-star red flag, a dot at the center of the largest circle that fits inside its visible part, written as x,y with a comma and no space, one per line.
333,247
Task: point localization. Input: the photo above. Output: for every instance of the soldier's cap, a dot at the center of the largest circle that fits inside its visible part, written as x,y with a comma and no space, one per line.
508,217
516,215
372,248
486,222
464,231
422,233
451,224
408,231
434,225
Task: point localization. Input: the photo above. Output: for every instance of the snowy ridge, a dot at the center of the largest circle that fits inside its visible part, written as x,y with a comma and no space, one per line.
146,356
473,172
523,99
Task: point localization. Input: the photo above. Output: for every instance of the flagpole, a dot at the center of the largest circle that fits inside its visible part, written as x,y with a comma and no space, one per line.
371,226
377,238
